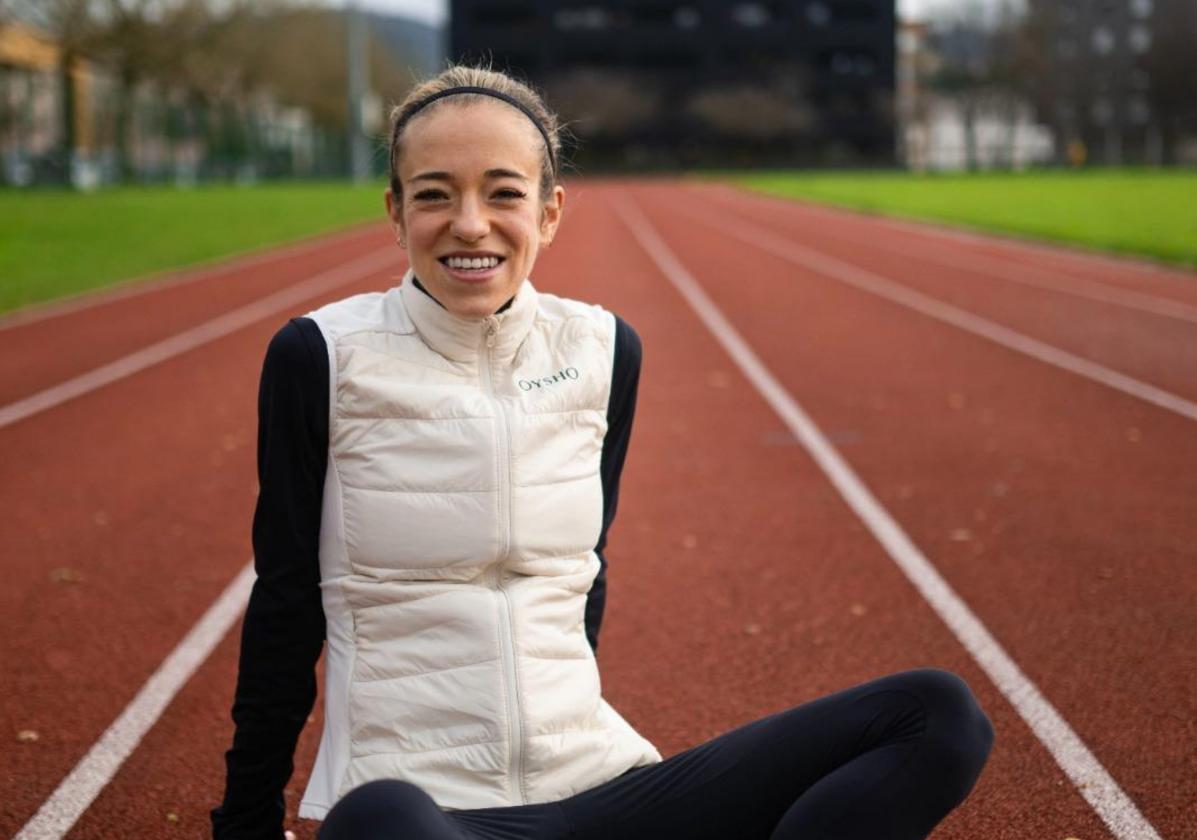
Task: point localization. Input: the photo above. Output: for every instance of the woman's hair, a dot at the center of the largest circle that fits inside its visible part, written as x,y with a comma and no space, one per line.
462,75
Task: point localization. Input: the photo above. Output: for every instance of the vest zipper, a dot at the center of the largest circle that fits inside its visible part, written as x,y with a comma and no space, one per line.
507,630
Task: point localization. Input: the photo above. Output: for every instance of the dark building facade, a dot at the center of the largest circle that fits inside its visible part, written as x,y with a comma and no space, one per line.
650,84
1121,76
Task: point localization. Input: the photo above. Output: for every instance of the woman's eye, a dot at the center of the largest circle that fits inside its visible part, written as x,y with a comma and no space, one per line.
429,195
508,194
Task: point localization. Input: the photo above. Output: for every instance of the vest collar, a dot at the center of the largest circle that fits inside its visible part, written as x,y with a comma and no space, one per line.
461,339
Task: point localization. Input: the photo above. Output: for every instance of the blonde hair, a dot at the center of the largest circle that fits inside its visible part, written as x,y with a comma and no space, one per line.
463,75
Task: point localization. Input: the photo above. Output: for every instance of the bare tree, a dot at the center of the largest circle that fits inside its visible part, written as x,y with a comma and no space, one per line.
752,112
74,27
603,101
205,57
982,66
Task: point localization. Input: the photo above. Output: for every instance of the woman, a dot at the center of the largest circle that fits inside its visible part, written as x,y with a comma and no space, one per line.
439,465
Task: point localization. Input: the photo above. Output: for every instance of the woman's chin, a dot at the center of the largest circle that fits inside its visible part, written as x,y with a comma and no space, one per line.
474,304
474,297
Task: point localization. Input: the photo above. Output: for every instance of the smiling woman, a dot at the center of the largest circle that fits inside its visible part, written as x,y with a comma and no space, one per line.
439,465
474,196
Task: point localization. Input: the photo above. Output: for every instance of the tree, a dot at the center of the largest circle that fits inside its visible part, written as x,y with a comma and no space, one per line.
982,66
72,24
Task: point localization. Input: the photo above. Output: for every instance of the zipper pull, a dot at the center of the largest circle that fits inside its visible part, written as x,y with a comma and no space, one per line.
492,330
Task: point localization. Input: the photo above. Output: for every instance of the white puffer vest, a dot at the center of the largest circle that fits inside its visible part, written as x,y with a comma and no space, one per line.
462,505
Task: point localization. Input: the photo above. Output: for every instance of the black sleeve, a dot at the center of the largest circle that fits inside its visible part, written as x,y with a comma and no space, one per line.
621,407
283,630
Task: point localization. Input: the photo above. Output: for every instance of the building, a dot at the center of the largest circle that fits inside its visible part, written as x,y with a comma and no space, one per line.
1121,85
669,83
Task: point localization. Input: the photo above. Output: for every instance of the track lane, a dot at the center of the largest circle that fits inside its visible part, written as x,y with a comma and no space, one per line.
740,585
40,353
128,512
944,256
1067,264
1085,771
196,337
1156,349
996,465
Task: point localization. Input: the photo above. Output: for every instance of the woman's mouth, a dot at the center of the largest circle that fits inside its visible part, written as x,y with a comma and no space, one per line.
472,269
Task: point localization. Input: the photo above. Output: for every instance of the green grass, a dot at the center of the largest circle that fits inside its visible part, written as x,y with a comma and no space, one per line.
1150,213
56,242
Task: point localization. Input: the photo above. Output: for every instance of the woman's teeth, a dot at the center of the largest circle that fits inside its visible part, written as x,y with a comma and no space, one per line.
472,263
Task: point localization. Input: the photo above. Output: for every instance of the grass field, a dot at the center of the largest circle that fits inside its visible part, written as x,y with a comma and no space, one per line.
55,243
1151,213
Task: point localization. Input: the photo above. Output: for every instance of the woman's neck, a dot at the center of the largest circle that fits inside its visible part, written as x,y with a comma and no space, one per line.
420,286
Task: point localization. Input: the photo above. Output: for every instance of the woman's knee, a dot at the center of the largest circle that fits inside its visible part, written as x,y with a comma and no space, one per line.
380,808
955,720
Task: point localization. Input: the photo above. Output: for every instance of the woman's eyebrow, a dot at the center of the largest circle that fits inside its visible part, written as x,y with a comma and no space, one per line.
490,173
505,173
432,176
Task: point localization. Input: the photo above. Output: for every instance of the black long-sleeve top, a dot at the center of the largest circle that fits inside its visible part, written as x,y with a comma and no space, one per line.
283,630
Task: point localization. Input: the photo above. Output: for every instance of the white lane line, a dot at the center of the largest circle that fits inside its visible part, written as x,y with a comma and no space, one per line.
1092,780
1015,271
96,769
196,336
868,281
136,286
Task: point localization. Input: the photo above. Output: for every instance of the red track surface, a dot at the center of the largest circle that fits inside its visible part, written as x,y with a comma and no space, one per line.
1062,511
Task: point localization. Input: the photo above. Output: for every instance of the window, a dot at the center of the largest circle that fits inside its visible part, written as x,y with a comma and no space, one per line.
751,15
504,14
668,59
854,10
845,63
1140,38
1138,110
582,18
687,17
1103,40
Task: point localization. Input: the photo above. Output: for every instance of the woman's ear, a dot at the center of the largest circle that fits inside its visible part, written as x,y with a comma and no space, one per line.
395,213
550,215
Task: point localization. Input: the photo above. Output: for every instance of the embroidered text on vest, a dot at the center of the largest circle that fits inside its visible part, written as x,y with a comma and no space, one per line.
560,376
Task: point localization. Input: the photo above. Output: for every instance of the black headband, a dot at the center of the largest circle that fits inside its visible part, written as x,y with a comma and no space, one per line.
510,100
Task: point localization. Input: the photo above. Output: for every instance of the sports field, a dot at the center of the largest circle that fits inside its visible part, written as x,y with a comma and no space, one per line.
58,243
55,242
1151,213
861,446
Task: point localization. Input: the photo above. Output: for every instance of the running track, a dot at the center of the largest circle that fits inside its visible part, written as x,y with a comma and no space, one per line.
1024,416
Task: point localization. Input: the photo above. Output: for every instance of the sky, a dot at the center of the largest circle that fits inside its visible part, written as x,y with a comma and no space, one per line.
435,11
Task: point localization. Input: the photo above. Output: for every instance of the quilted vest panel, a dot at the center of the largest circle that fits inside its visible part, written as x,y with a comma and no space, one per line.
462,506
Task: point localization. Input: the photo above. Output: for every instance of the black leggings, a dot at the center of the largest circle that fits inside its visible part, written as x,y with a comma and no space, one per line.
886,759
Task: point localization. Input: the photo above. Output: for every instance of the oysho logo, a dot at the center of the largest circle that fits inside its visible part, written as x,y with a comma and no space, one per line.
563,375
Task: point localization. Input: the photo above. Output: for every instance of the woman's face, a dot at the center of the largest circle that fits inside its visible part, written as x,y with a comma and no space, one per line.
470,178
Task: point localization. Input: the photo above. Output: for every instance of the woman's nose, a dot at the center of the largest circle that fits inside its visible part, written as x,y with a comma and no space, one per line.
470,222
